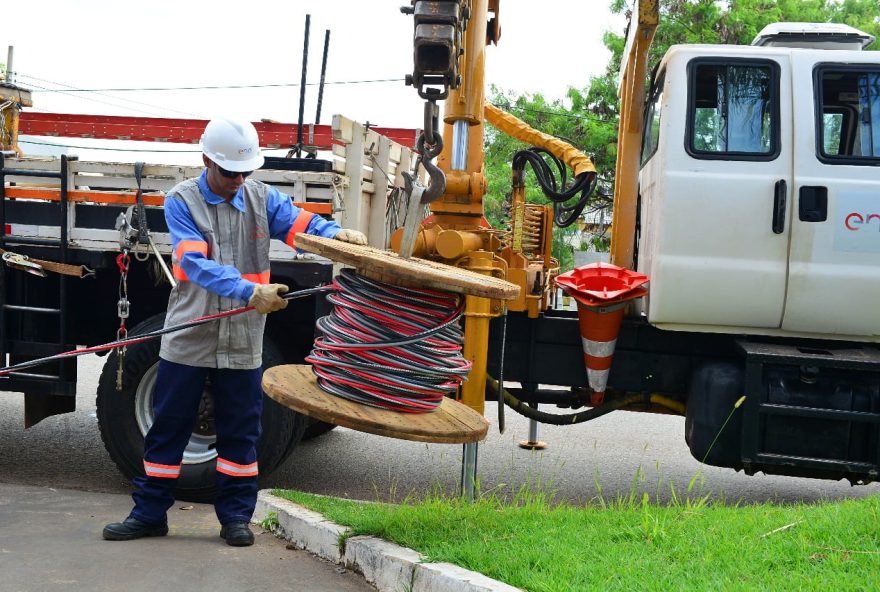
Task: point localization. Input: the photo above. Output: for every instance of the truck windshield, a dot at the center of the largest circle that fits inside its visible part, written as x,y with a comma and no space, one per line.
849,107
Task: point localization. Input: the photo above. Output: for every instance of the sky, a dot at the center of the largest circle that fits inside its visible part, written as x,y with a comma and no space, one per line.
98,44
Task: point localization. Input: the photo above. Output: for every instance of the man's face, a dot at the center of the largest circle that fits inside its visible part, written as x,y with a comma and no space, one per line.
219,183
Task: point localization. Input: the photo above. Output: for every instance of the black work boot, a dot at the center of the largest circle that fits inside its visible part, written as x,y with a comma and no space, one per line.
237,534
132,528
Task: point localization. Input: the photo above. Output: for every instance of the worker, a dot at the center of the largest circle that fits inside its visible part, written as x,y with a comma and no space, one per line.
220,225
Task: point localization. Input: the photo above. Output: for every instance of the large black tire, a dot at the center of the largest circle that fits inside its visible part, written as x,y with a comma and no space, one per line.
715,388
316,428
124,418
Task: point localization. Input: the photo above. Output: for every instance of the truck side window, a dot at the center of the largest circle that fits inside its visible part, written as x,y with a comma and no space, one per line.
848,113
733,110
651,130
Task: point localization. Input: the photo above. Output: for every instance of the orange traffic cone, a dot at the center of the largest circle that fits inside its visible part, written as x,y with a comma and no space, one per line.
601,291
599,328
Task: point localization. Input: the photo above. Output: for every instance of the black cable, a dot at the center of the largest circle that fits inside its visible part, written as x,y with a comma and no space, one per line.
388,346
117,105
123,149
556,191
586,116
210,87
501,424
141,337
72,89
523,408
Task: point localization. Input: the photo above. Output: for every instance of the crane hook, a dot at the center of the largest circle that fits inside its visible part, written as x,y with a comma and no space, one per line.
436,177
417,194
428,146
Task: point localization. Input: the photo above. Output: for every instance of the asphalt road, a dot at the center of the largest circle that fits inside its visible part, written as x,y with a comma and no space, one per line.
609,457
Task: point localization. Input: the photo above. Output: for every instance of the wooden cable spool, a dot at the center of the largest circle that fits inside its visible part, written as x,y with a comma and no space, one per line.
391,268
296,387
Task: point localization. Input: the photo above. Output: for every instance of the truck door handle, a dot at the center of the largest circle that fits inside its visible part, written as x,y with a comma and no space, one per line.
779,195
813,204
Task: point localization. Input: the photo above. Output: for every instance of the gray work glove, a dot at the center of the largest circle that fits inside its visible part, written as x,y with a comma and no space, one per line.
354,237
267,297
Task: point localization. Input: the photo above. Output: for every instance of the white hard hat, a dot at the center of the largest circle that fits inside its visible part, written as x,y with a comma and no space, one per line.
232,144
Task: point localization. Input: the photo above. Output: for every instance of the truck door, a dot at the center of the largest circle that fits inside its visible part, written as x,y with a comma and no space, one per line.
715,221
834,259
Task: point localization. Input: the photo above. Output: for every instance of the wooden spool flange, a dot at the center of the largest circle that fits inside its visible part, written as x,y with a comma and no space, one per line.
452,423
391,268
296,387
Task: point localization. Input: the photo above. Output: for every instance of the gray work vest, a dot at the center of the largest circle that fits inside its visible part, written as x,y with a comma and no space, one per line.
239,239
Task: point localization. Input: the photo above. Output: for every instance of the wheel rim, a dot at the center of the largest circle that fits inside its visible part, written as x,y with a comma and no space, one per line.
202,443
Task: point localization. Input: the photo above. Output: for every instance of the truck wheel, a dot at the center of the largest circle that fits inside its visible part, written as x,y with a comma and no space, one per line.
715,388
125,417
317,428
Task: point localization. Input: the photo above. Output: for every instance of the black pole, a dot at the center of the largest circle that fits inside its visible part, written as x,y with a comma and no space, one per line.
323,71
302,89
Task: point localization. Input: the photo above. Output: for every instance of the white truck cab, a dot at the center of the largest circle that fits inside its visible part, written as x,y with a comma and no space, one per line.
760,186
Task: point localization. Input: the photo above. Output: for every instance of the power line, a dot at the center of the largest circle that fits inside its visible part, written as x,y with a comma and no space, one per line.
122,149
72,89
222,87
509,107
65,92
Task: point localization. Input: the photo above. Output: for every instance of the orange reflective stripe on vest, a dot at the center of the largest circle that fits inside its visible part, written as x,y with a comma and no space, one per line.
161,471
227,467
299,225
184,247
257,278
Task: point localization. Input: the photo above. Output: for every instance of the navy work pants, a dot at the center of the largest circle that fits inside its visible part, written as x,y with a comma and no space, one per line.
238,404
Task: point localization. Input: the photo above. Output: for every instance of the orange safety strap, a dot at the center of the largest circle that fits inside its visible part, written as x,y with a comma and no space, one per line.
299,225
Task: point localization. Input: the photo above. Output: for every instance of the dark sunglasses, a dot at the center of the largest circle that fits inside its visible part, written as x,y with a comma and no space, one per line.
233,174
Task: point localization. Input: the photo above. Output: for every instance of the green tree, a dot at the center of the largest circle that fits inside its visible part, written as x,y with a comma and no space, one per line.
589,124
589,117
739,21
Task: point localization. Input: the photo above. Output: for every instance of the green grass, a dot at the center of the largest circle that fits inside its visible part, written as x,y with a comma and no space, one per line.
631,543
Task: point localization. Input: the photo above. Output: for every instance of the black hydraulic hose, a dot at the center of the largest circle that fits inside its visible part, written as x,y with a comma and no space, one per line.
523,408
584,184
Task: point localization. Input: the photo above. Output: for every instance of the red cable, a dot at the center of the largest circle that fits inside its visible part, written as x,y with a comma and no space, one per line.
122,342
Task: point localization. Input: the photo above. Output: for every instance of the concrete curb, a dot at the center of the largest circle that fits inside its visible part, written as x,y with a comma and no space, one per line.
388,567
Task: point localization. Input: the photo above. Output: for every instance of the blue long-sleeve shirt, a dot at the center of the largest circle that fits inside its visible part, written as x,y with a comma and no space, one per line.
226,280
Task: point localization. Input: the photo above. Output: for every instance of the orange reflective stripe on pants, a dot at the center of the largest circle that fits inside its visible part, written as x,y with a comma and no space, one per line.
161,471
227,467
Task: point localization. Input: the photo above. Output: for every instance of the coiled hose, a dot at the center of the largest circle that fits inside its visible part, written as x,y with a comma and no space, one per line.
585,184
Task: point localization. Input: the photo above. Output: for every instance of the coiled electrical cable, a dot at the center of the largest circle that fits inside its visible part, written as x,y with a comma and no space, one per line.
388,346
556,191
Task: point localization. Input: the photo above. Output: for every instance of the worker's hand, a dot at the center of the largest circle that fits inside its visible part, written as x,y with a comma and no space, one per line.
354,237
267,297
